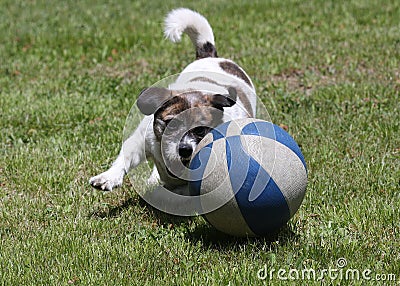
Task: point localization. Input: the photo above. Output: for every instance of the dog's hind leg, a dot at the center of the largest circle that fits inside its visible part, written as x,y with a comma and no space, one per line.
132,154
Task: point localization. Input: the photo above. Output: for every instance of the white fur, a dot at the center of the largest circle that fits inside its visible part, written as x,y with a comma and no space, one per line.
183,20
131,155
154,178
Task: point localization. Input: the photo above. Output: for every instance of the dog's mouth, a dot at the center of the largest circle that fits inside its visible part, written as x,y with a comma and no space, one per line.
185,162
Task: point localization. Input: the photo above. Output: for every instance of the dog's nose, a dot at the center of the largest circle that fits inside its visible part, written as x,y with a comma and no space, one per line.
185,150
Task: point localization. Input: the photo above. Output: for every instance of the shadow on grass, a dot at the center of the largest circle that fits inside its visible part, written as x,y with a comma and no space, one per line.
163,218
108,211
212,238
203,232
111,211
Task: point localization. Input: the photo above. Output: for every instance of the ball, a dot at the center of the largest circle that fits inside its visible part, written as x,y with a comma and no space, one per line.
250,176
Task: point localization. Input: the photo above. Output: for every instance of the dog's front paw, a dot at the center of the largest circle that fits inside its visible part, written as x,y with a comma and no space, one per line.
106,181
154,178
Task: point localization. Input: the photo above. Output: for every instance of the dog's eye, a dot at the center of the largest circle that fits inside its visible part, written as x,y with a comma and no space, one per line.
201,131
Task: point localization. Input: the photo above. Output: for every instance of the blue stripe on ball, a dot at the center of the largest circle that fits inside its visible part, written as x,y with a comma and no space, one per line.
198,167
269,209
228,155
233,142
268,212
264,129
220,131
272,131
284,138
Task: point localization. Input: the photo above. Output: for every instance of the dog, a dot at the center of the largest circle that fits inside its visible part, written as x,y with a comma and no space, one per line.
208,92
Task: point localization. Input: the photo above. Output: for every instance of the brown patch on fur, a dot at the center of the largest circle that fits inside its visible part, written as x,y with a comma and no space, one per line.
240,93
172,107
205,79
192,102
208,50
235,70
201,112
245,101
167,111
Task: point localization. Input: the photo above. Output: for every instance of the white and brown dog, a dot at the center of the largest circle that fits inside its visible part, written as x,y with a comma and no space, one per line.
209,91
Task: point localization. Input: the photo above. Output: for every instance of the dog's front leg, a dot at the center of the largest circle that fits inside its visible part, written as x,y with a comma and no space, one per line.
132,154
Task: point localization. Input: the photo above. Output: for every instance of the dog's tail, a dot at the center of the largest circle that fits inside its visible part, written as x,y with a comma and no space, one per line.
183,20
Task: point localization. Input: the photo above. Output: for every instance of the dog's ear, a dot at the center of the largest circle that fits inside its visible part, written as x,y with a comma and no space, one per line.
224,100
151,99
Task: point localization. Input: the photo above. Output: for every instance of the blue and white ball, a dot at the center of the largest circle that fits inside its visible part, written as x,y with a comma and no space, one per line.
250,175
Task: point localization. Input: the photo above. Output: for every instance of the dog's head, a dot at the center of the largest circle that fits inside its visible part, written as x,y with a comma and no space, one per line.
183,118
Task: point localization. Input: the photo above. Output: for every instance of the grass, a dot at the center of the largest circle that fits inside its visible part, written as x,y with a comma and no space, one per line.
329,70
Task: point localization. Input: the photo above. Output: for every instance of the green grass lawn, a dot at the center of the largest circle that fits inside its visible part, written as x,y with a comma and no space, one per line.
69,74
